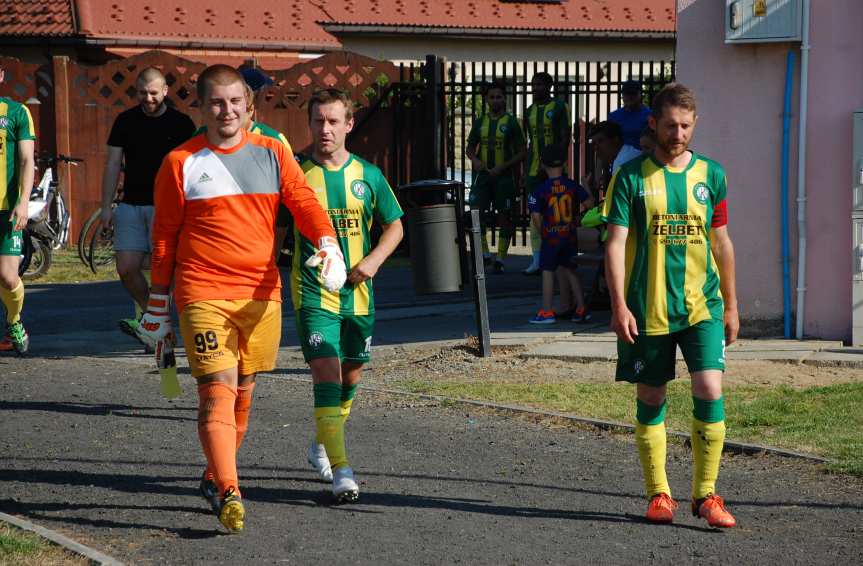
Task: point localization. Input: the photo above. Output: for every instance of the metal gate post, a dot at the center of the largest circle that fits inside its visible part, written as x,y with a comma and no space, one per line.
433,97
479,297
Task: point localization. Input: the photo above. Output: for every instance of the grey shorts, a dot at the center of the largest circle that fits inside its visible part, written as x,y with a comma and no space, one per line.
133,228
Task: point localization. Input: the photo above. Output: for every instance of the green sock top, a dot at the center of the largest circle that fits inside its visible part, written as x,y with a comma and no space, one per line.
708,411
327,394
348,392
650,414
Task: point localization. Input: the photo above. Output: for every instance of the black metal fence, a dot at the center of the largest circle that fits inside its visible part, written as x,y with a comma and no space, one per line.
592,90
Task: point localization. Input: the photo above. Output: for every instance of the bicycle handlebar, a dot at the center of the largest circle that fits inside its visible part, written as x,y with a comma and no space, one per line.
52,159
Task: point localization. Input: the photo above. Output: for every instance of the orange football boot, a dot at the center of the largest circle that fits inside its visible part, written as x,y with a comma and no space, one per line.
713,509
661,509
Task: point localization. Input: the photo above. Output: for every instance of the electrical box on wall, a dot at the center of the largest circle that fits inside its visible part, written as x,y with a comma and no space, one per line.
754,21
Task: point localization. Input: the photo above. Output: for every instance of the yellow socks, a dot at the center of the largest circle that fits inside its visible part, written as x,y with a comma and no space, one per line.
13,300
330,423
535,239
708,437
503,244
347,401
651,441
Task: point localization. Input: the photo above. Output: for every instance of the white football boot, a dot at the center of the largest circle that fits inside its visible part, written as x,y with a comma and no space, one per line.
320,463
345,488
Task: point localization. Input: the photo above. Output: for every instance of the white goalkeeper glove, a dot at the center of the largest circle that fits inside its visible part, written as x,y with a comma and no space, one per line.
329,257
156,322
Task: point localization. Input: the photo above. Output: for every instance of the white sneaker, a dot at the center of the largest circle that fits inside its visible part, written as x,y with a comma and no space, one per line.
319,461
345,489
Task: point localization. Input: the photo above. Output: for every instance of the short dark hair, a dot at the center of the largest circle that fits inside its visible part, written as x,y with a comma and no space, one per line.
220,75
497,84
328,95
673,94
609,129
544,77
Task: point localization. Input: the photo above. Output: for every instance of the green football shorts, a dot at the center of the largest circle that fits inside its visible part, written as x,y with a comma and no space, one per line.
651,359
11,241
497,191
324,334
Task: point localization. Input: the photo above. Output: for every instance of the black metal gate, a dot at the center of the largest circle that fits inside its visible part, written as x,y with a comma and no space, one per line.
592,90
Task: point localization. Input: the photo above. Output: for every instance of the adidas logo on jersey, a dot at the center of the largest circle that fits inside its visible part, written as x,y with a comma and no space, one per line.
204,178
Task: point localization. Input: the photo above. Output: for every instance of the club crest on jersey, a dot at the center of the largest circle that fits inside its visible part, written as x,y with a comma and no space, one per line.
503,128
358,188
316,339
549,114
701,192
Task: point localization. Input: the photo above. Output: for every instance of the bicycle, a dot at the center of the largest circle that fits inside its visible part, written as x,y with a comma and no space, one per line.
95,244
48,220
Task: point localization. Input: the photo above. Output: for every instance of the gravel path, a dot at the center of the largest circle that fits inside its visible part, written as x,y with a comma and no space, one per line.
89,449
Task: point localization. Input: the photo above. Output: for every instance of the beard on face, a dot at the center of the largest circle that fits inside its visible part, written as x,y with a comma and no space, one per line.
672,148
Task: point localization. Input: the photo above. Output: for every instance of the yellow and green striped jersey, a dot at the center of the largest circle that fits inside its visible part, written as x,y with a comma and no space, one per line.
671,279
16,125
544,124
498,138
354,196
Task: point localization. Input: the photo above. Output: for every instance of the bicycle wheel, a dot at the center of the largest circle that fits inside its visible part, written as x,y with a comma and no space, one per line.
92,223
100,254
40,261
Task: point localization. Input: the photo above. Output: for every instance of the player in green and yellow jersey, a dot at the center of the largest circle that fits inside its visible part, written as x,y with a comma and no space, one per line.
670,271
335,328
495,146
547,121
17,161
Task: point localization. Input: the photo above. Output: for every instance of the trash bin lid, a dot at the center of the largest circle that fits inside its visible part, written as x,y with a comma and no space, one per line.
430,184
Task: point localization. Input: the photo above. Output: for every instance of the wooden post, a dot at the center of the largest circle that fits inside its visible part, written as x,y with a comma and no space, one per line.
63,134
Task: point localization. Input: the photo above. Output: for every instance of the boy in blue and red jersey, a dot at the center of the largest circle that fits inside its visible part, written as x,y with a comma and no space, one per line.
552,206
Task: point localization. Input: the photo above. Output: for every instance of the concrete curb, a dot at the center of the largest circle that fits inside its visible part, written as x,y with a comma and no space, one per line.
731,446
58,539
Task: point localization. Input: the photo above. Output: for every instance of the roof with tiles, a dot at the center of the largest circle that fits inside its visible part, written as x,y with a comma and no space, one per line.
566,15
51,18
206,21
310,24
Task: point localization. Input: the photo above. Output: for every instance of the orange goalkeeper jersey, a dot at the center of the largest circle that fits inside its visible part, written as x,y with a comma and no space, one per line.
215,212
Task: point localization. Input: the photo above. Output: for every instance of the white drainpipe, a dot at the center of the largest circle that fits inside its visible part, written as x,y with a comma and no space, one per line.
801,173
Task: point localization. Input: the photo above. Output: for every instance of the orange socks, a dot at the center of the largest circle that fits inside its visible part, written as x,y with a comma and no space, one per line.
241,410
217,430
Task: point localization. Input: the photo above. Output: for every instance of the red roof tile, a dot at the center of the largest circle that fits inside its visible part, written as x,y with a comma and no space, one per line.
303,24
36,17
287,22
568,15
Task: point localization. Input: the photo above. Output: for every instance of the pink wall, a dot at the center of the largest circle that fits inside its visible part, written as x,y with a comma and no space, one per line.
739,89
835,92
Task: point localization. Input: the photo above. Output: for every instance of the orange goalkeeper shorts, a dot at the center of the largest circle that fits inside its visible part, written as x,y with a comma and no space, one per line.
220,335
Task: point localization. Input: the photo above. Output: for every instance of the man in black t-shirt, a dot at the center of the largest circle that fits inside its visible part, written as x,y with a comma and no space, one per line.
141,136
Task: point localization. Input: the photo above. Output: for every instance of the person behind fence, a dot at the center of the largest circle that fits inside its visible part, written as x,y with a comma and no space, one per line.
335,327
670,271
495,146
216,198
553,206
547,121
17,140
140,138
632,116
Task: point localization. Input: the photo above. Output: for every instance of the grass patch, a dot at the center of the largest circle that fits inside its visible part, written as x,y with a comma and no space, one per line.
27,549
67,267
819,420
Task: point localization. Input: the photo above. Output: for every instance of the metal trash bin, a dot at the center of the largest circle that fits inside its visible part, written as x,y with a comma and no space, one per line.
434,234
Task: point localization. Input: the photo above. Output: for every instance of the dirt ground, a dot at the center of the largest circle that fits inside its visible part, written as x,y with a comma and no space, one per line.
508,365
